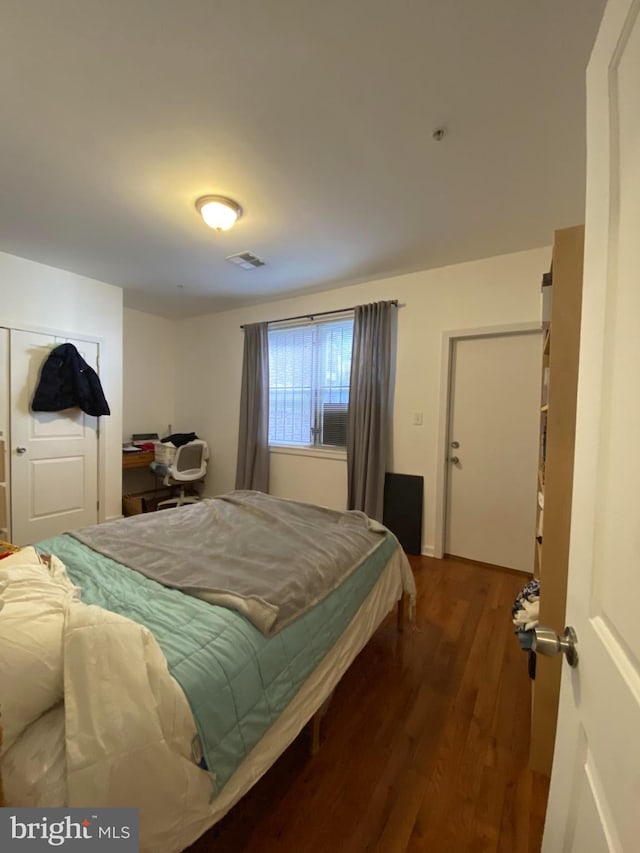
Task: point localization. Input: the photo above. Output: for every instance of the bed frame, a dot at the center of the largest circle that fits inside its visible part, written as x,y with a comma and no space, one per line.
316,720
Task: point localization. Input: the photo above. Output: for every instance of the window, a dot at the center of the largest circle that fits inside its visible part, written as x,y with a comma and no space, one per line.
309,373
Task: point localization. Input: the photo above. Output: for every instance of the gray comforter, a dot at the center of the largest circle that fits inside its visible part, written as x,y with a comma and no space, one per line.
269,558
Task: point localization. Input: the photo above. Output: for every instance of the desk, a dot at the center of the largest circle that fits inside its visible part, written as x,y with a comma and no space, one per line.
141,489
141,459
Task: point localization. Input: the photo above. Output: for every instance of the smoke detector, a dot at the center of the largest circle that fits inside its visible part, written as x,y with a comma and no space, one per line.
246,260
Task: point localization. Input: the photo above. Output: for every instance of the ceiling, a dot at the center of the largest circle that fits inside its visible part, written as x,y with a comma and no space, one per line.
317,117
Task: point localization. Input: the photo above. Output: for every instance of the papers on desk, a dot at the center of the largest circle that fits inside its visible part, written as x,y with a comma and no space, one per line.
139,439
128,448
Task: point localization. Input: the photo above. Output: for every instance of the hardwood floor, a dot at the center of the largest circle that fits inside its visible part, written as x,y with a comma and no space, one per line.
424,746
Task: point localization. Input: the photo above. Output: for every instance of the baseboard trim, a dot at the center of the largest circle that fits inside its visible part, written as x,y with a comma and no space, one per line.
484,565
428,551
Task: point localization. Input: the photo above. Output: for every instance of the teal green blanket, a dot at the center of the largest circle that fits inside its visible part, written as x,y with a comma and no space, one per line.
236,680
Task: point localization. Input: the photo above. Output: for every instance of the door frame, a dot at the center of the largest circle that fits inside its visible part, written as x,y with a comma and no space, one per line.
449,339
102,457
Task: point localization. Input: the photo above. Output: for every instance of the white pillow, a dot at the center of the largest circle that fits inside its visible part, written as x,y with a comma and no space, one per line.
31,629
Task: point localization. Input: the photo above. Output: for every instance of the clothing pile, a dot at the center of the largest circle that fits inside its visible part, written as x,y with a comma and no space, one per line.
526,607
525,612
179,438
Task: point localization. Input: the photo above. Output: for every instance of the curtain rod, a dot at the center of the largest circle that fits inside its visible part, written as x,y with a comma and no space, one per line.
322,313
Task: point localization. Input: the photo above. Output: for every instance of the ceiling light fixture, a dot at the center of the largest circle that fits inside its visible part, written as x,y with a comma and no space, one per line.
218,212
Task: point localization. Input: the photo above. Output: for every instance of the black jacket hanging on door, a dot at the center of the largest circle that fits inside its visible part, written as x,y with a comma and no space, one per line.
67,380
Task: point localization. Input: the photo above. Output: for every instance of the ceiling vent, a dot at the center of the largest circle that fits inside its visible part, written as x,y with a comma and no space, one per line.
246,260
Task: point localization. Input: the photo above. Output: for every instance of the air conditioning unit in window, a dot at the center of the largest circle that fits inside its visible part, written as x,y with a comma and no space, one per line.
334,424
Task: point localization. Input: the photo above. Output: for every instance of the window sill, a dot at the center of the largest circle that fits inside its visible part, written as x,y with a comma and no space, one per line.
317,452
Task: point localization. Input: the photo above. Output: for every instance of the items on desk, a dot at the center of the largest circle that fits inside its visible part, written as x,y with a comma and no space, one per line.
141,442
180,438
165,450
138,439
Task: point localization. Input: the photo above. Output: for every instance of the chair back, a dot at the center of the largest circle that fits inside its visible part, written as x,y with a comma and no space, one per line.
190,461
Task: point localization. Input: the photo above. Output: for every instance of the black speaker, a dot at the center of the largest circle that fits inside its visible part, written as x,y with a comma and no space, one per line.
402,510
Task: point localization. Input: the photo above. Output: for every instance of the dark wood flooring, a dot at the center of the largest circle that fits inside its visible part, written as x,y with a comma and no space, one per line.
424,746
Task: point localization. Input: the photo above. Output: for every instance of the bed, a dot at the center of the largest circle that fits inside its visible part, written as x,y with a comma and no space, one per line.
129,691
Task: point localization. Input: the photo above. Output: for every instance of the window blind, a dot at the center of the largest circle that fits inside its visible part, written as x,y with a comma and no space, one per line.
309,374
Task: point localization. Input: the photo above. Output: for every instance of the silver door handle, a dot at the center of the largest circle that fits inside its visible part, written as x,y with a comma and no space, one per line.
21,450
547,642
454,459
455,444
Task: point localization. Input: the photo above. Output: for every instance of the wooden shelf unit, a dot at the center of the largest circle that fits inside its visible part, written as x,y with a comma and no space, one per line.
555,473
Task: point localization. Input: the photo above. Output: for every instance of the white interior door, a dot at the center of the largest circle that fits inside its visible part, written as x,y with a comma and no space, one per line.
594,801
493,435
54,455
5,514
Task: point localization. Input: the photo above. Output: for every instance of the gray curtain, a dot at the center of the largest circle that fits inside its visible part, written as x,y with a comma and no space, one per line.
252,469
368,421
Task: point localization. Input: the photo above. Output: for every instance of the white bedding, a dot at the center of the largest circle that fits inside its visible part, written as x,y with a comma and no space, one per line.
129,739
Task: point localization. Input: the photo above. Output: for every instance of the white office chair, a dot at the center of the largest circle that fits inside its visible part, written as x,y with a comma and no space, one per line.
189,465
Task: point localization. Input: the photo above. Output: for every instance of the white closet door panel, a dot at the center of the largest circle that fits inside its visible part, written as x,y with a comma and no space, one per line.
54,455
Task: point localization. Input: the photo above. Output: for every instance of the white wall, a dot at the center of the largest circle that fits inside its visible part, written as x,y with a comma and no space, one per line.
148,385
493,291
149,381
35,296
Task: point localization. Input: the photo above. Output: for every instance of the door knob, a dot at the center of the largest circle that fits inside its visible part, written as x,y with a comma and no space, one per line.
455,444
454,459
547,642
21,450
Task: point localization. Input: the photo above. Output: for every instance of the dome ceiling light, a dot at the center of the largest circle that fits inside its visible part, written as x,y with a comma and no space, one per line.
218,212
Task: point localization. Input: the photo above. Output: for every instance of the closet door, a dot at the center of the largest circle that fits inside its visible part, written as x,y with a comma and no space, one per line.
5,519
54,455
